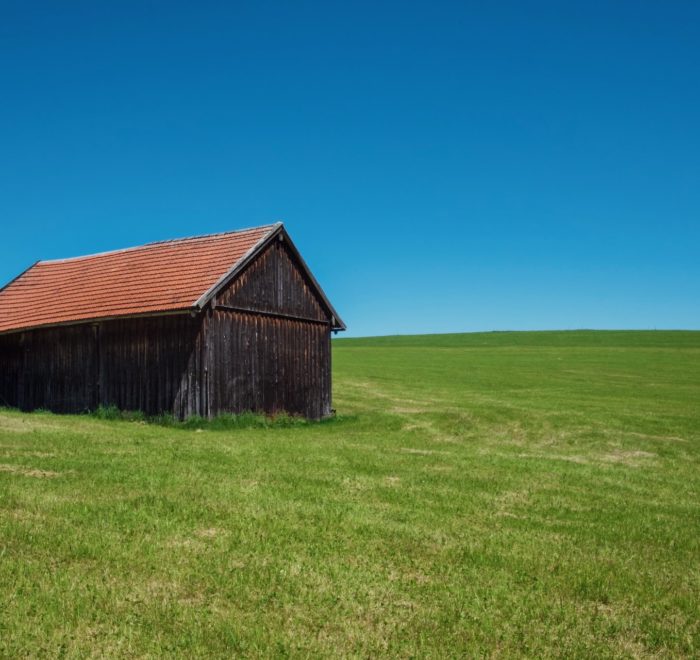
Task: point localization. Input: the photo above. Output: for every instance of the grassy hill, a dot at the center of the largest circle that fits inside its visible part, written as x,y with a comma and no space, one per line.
531,494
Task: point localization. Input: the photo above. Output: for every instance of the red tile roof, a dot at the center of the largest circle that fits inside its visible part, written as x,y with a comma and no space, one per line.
158,277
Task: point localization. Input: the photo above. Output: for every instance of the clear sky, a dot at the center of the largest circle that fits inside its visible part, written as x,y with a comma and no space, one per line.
442,166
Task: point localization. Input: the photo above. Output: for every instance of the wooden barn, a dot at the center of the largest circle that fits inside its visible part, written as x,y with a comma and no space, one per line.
228,322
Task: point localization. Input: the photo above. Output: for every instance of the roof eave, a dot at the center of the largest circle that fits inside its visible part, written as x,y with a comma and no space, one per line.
101,319
278,229
337,323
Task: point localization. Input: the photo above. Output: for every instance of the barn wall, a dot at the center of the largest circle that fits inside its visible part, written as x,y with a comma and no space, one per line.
54,369
275,283
270,365
153,365
276,356
148,364
10,368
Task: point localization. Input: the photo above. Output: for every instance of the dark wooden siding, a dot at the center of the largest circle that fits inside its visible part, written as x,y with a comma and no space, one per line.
11,359
269,341
135,364
153,365
54,368
268,364
274,283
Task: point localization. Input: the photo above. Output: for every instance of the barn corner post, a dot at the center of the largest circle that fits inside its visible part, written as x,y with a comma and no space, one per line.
329,379
258,337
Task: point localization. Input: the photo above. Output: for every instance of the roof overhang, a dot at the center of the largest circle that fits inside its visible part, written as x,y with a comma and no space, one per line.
278,232
100,319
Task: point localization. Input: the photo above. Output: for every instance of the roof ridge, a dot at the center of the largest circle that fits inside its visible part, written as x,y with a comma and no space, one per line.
154,243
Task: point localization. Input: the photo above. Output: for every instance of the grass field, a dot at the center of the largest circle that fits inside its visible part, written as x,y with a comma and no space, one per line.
533,494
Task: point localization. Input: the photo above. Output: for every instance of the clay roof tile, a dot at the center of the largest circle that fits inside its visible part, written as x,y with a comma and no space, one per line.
165,276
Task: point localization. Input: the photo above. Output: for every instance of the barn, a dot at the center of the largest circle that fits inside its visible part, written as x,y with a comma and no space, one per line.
223,323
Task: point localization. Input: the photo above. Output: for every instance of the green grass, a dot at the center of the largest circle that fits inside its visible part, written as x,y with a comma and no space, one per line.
527,494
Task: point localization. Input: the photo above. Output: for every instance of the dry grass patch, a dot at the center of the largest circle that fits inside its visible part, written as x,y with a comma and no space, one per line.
210,532
29,471
633,458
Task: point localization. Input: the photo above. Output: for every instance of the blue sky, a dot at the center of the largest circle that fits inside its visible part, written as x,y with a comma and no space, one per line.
442,166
